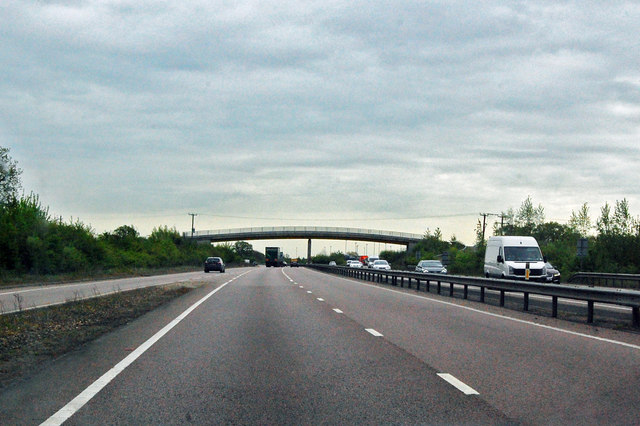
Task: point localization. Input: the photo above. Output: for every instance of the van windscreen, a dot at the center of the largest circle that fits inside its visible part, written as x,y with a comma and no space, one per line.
522,254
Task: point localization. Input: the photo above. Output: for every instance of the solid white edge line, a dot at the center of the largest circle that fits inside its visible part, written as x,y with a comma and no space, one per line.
535,324
461,386
85,396
373,332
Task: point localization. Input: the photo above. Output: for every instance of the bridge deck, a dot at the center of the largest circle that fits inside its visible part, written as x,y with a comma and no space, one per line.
305,232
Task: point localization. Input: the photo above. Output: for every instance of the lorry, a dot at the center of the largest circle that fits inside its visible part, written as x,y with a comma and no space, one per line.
273,256
514,257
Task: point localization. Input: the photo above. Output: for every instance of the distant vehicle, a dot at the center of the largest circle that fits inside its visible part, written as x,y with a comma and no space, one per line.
294,262
371,260
363,260
332,263
381,264
213,264
553,275
354,264
514,257
273,257
431,267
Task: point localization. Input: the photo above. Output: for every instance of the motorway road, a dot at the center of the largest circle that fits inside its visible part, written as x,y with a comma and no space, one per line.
292,346
16,299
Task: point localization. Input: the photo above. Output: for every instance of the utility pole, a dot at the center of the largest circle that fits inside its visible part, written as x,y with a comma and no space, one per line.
193,216
502,216
484,221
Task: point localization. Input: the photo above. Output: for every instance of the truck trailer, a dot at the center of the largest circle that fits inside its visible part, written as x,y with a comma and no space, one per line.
273,257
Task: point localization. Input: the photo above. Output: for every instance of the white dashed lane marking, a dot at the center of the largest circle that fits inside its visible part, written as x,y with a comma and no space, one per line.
462,387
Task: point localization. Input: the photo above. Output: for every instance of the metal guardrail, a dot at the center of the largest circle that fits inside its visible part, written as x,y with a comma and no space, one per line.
606,280
591,295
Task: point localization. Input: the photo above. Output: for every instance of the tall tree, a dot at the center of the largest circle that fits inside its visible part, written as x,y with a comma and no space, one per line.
528,215
604,222
243,249
580,222
623,223
9,177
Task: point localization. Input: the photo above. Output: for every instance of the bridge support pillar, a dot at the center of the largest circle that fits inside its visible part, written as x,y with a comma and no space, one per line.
309,250
410,246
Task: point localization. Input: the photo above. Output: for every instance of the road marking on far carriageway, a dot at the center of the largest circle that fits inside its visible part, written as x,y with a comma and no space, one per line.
462,387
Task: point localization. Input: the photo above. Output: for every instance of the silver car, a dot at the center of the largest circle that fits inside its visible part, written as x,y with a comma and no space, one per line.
431,267
381,264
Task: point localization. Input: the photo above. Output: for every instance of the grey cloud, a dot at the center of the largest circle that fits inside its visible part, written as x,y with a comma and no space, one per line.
269,108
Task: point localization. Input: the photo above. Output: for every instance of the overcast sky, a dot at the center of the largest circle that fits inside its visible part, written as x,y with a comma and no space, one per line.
390,115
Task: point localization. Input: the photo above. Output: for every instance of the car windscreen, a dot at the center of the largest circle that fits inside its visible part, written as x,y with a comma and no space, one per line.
522,254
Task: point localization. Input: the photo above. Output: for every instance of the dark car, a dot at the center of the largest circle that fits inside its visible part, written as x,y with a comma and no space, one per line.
553,275
214,264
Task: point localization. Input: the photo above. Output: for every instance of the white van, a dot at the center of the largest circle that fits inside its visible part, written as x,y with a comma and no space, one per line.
514,258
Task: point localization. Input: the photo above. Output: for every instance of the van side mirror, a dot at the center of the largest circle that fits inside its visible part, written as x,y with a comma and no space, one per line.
500,259
544,259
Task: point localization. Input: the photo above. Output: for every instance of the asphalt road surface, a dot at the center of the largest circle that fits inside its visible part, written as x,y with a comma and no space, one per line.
295,346
16,299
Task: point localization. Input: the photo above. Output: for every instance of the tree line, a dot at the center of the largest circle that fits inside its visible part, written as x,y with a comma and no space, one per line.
33,242
613,241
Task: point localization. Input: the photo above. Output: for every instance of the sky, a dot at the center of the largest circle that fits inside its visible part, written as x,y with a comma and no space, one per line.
392,115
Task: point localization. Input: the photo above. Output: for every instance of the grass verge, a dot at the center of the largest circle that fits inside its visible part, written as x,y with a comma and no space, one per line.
28,338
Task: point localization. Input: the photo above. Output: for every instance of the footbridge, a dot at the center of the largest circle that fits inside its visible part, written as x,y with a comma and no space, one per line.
305,232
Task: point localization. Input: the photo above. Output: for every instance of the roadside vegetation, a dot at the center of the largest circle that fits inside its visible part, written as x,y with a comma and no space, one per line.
613,242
